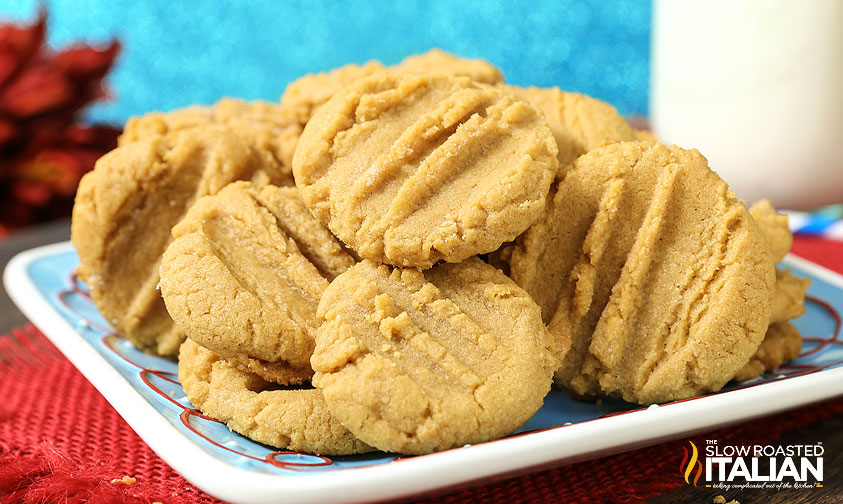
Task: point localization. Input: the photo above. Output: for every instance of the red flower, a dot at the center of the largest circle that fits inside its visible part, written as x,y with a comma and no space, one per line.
44,148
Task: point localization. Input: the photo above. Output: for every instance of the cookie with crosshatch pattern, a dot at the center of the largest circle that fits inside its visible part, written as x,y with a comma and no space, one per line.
417,361
244,274
657,271
408,169
125,209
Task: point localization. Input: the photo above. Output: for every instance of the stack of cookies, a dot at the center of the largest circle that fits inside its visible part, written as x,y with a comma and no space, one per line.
405,258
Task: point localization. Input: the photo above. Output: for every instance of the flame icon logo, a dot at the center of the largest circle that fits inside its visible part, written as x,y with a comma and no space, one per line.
688,466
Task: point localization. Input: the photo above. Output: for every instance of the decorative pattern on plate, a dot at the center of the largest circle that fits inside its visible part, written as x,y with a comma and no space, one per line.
143,388
155,377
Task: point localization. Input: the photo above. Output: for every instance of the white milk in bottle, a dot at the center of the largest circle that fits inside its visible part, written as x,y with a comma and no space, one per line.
757,87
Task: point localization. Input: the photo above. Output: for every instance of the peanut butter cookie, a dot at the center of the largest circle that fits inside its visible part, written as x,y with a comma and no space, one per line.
782,344
579,123
279,372
264,126
417,361
305,95
774,226
655,269
244,275
290,419
646,136
789,300
439,61
408,169
123,214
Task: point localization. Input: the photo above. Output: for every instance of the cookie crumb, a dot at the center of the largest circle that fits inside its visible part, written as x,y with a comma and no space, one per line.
722,500
126,480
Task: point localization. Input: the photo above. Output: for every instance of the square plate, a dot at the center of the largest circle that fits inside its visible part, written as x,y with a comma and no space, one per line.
144,389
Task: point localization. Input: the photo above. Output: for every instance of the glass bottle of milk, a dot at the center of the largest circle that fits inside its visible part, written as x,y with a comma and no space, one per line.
757,87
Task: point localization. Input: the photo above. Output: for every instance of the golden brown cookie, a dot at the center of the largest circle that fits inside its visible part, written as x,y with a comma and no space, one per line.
789,300
782,344
646,136
123,214
439,61
279,372
417,361
264,126
245,272
655,269
289,419
783,341
160,123
774,226
408,169
579,123
305,95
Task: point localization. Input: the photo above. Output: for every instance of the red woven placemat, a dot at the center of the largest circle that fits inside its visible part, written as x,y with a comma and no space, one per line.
60,441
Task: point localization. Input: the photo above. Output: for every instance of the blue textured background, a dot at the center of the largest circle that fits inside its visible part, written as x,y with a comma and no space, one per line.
179,53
